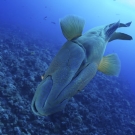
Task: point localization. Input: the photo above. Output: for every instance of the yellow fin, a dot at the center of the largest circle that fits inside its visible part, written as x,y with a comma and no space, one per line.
110,65
72,26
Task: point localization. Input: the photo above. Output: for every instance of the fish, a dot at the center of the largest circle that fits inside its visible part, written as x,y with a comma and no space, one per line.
53,22
45,17
76,63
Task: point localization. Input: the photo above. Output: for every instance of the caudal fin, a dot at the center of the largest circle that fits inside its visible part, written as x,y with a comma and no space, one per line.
121,36
110,29
125,24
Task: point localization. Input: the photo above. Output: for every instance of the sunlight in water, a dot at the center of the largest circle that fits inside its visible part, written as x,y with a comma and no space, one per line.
128,2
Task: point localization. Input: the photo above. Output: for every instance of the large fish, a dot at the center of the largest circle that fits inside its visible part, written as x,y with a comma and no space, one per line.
76,63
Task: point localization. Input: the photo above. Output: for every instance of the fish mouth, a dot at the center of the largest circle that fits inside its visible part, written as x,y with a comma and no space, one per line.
41,104
57,87
41,95
47,110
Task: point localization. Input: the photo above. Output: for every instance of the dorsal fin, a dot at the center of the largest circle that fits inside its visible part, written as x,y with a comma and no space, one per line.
72,26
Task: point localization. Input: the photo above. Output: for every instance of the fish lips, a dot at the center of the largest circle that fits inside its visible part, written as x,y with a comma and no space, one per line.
40,103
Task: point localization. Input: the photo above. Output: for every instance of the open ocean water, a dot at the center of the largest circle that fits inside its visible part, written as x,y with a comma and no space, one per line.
31,36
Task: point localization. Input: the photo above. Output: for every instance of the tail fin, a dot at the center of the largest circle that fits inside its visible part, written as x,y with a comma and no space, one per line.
119,35
125,25
110,29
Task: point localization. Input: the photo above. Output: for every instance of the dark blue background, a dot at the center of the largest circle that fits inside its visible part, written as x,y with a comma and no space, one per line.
29,15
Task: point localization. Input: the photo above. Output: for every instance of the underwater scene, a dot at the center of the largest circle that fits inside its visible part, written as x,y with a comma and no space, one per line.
67,67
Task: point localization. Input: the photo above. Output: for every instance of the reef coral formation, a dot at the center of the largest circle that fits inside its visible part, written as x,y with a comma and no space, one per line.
105,107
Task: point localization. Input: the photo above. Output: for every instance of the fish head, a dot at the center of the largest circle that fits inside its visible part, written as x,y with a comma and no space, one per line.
42,103
58,84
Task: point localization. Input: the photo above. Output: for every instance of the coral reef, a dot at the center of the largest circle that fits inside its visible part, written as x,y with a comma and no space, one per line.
105,107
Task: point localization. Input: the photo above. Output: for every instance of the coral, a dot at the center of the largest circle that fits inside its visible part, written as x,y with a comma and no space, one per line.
105,107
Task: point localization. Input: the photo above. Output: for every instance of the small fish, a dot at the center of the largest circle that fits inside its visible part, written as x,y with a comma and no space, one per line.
53,22
45,17
76,63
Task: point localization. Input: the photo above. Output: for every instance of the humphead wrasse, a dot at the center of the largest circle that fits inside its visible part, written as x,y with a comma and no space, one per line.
76,63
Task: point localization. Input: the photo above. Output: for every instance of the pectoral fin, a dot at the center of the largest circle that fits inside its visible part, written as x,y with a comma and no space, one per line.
121,36
72,26
110,65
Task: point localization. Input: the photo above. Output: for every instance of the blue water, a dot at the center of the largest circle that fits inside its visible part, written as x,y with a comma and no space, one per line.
40,18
